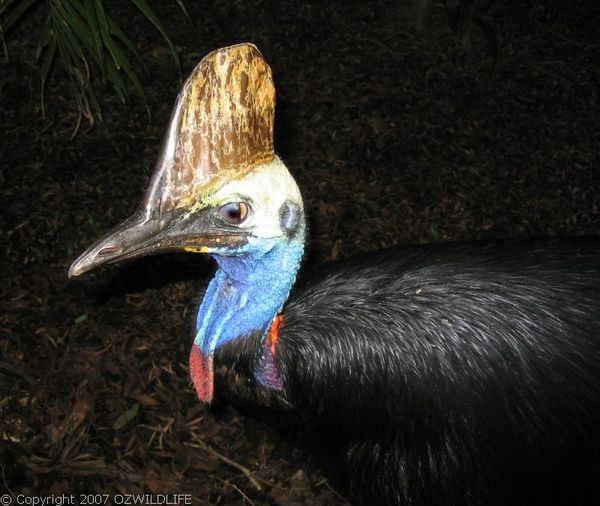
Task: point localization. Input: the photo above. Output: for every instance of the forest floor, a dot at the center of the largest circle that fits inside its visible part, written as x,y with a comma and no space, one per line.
394,137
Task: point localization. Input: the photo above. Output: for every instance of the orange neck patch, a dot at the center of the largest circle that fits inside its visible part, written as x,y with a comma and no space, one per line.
267,372
273,334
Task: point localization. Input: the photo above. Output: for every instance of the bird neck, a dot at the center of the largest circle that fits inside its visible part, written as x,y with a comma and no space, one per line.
247,292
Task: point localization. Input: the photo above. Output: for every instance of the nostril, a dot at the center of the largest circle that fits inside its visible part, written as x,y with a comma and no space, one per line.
109,251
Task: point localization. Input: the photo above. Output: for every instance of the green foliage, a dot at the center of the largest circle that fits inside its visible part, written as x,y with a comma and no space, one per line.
82,36
126,416
80,319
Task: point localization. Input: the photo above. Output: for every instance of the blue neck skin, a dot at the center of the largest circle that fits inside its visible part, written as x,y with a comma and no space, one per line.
248,290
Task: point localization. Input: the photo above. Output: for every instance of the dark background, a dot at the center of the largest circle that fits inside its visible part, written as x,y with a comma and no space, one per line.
394,137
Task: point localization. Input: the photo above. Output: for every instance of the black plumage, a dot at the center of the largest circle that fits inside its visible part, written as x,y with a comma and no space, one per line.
442,374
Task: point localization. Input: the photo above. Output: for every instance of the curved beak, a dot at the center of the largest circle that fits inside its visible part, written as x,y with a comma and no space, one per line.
136,237
175,230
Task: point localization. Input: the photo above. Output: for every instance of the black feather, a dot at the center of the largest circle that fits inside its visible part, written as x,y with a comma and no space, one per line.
442,374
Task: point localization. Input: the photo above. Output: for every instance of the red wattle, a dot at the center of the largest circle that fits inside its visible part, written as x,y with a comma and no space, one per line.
202,373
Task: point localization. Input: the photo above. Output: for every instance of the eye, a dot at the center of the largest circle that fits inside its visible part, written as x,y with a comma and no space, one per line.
234,212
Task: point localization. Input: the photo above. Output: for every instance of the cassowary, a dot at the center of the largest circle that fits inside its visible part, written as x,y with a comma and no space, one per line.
434,374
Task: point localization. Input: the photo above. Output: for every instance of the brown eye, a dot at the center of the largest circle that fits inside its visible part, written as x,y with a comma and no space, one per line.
234,212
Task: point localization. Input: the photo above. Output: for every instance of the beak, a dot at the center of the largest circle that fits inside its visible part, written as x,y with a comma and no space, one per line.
136,237
174,230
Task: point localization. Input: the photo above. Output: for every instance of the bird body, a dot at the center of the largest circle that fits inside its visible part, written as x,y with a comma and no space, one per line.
440,374
431,374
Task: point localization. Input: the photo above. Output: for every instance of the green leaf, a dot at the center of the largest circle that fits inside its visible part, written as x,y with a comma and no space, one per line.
15,15
147,11
77,71
126,416
119,34
121,62
113,75
182,7
86,41
44,38
5,4
47,59
69,42
79,27
87,11
80,319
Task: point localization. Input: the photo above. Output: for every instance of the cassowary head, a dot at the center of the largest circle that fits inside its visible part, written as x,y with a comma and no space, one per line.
219,188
